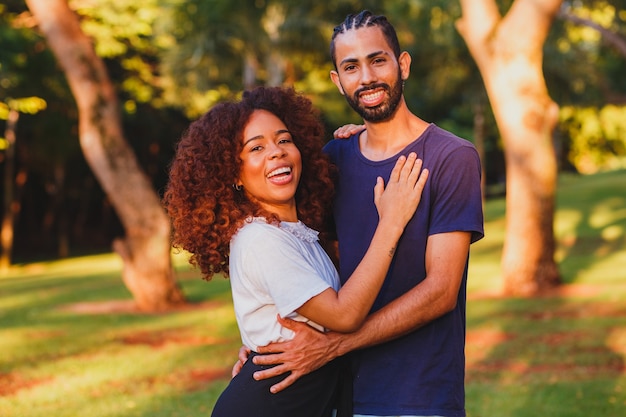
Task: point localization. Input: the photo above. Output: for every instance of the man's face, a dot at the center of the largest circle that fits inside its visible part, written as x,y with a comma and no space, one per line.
368,74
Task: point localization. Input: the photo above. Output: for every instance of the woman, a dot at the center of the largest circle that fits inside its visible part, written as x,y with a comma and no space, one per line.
243,203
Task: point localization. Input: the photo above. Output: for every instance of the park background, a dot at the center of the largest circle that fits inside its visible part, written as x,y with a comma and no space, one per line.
79,335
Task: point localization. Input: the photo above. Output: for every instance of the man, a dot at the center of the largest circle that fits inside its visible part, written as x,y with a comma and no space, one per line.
408,358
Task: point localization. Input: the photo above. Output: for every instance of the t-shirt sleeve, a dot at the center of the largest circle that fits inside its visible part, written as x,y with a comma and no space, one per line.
275,263
458,202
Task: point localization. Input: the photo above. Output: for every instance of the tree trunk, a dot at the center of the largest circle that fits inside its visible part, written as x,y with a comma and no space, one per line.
508,52
145,250
10,202
479,141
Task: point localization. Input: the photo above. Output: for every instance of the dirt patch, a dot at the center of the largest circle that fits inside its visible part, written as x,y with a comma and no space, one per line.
479,344
129,307
562,291
570,371
573,291
12,383
190,380
160,339
198,379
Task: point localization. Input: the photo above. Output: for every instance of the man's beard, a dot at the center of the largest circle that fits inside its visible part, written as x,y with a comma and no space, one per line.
384,110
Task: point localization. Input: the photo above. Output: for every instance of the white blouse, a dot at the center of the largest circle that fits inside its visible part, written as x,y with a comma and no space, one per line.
275,270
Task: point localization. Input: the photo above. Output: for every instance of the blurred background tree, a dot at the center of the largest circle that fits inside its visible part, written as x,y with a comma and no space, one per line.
145,247
171,60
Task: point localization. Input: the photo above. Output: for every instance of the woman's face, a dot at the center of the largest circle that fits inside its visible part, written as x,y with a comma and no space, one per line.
271,165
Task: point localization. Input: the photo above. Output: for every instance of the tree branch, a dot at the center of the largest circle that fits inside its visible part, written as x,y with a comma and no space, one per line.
478,21
610,38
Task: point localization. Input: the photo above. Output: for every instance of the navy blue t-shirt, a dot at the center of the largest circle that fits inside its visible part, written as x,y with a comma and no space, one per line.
423,372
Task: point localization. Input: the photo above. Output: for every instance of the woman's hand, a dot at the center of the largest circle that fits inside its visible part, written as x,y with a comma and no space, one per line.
396,203
244,353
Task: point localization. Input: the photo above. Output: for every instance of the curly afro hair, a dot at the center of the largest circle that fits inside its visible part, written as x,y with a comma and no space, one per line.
205,209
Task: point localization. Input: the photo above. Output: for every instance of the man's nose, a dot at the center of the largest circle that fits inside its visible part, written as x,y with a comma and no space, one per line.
368,75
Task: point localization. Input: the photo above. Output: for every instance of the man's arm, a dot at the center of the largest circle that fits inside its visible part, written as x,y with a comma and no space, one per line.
436,295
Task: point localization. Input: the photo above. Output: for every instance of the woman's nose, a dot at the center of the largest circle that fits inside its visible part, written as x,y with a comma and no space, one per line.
276,151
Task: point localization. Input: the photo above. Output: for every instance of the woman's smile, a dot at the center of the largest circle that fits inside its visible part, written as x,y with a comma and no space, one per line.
271,165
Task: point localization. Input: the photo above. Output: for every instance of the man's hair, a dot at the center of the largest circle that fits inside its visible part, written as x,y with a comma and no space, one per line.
366,19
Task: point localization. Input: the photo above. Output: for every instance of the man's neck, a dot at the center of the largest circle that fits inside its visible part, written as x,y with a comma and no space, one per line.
382,140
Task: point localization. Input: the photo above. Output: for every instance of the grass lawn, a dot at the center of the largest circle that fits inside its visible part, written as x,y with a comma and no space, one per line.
71,346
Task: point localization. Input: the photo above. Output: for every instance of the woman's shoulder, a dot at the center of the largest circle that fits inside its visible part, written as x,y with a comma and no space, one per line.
255,226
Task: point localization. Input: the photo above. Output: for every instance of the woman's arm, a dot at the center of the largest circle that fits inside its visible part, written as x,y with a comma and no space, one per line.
446,255
345,310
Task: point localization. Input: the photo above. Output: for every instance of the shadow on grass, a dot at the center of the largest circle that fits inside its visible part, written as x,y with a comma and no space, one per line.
593,230
71,346
562,354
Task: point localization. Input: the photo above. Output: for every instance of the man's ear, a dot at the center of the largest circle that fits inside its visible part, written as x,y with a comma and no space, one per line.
334,76
404,60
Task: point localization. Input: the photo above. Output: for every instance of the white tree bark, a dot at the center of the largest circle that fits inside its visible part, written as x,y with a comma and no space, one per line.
508,52
145,250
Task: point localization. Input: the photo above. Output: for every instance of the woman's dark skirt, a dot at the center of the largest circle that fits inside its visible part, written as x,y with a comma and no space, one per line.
313,395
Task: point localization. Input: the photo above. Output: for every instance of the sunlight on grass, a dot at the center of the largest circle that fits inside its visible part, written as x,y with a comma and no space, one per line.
604,270
609,212
566,222
612,233
484,262
17,300
74,267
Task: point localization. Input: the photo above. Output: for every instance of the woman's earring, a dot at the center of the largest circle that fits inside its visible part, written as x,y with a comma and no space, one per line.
237,187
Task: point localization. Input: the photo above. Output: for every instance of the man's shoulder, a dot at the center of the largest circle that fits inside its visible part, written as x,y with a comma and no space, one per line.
339,148
441,137
340,143
444,143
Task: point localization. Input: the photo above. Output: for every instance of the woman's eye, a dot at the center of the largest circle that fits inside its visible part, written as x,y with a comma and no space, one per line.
256,148
285,140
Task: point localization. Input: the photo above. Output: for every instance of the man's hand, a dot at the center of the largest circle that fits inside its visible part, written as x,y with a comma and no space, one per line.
244,352
306,352
345,131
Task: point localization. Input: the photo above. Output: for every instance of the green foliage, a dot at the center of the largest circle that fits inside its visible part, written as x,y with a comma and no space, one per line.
71,346
124,35
582,67
28,69
597,137
60,196
171,60
29,105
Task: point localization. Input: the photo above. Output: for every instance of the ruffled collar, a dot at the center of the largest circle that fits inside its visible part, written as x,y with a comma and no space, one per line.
298,229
